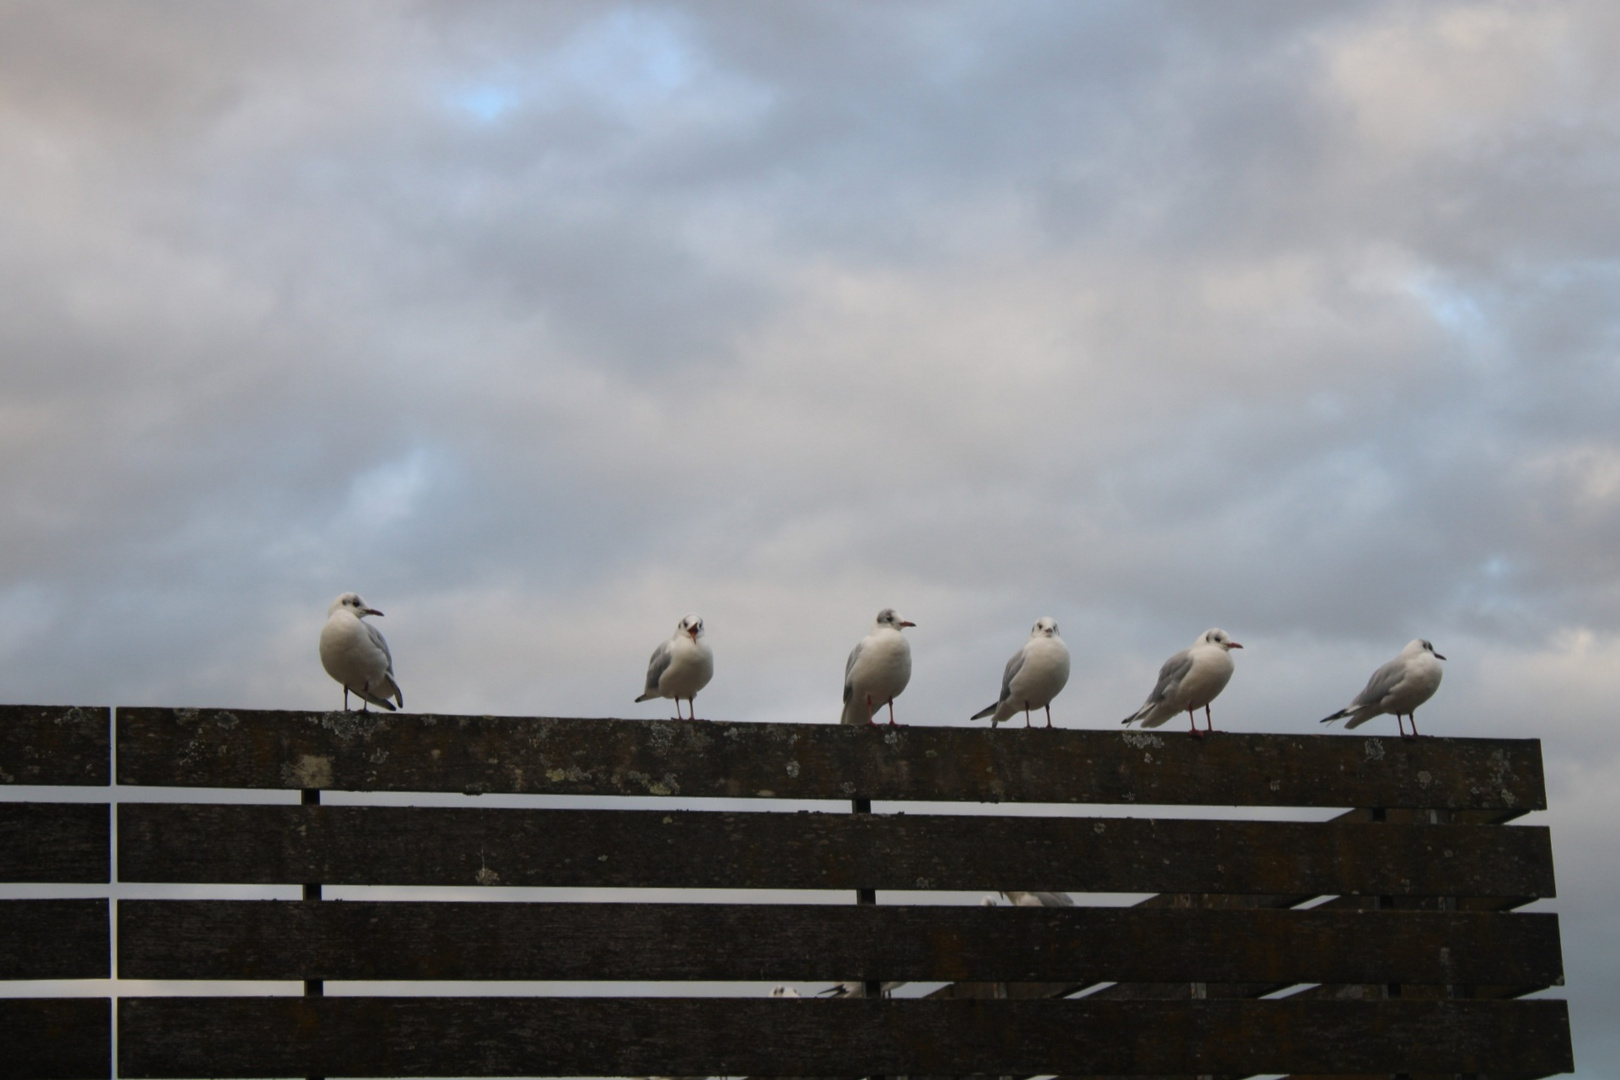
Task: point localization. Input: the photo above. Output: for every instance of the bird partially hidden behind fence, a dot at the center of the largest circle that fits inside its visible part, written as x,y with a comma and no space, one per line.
878,669
1397,688
681,666
1189,680
354,653
1034,676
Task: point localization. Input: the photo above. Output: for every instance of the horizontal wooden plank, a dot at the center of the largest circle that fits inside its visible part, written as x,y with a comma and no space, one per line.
55,744
169,939
55,1038
60,842
492,1036
55,939
376,845
407,752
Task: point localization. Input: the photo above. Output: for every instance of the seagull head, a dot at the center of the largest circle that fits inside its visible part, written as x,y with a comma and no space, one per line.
891,618
691,626
350,601
1219,637
1421,645
1044,627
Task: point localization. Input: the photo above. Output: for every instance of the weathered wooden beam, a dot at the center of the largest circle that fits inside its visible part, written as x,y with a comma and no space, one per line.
376,845
492,1036
55,744
484,754
206,939
60,842
55,1038
55,939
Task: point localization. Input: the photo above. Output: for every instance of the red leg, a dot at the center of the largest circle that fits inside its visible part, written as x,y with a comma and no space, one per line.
891,712
1192,718
869,719
1412,716
1209,725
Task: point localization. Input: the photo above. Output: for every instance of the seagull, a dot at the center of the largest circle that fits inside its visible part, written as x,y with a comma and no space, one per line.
1189,680
857,989
354,653
1398,687
878,669
1039,899
681,666
1034,676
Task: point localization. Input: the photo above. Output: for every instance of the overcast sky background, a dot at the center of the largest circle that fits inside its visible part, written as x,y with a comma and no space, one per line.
542,325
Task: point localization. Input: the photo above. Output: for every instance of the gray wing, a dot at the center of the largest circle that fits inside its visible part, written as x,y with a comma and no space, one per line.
377,640
1175,669
1014,666
849,667
656,666
1382,682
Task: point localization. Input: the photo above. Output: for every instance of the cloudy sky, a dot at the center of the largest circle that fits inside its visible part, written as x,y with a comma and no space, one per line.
542,325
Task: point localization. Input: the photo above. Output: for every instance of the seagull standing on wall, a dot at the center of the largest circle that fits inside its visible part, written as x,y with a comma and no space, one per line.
681,666
878,669
1398,688
1189,680
1034,676
354,653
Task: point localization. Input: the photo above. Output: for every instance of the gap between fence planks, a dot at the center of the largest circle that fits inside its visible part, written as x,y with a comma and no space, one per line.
699,759
372,845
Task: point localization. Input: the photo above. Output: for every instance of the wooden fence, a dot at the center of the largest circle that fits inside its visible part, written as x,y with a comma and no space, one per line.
1397,916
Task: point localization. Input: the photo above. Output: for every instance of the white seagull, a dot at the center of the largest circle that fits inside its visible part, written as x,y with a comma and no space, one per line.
1189,680
681,666
1398,688
354,653
1039,899
878,669
1035,675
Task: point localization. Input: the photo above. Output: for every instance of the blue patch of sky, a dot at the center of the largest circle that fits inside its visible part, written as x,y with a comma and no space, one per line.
1453,308
629,60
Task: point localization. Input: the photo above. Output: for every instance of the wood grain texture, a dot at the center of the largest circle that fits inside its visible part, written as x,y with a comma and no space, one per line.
358,940
67,745
55,842
55,939
55,1038
492,1036
410,752
345,845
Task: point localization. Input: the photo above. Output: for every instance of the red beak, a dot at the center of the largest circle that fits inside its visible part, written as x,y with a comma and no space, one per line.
371,611
1234,645
905,623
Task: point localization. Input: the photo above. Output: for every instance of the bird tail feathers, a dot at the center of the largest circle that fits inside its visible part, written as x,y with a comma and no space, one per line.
1340,715
984,712
648,696
380,702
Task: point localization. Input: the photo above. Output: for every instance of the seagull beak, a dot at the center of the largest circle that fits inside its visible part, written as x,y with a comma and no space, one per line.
693,634
903,622
1437,656
371,611
1233,645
